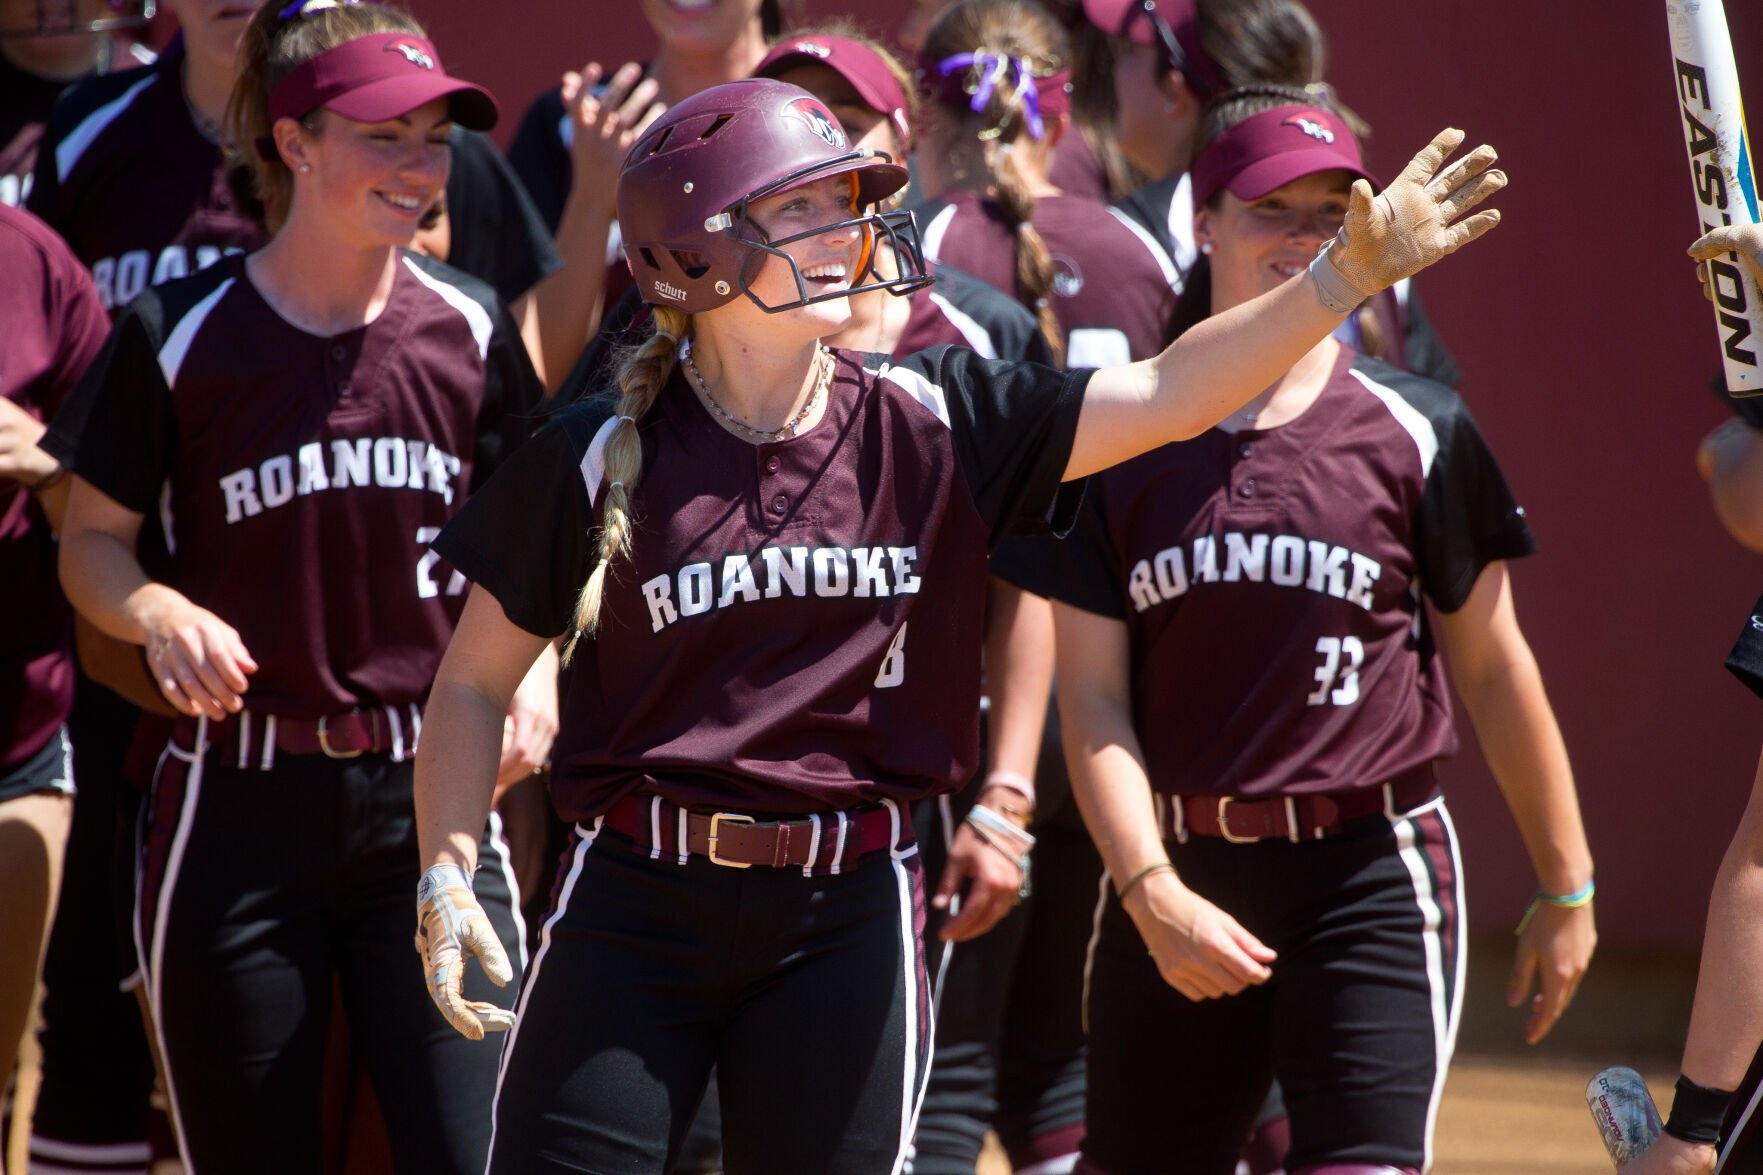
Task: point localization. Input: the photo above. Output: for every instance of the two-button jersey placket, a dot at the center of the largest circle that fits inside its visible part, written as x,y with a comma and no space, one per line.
780,485
1245,481
336,368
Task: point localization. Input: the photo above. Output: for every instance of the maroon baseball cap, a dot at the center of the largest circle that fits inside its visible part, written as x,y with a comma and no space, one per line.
1271,149
852,60
378,77
1170,25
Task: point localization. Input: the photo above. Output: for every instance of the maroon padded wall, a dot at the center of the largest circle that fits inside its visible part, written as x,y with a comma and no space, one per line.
1587,352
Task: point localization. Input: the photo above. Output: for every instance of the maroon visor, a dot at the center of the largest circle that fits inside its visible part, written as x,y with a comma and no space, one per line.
377,78
1273,148
852,60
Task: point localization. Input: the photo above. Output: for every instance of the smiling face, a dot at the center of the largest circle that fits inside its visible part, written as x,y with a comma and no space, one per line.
701,26
1258,244
373,181
828,261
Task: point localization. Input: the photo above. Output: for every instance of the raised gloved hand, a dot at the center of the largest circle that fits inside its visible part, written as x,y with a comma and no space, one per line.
450,925
1410,224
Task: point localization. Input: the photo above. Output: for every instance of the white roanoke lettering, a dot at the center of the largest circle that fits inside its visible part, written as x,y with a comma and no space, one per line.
392,463
1283,560
780,573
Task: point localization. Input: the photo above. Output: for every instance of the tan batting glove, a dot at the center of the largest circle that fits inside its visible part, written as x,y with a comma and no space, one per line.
449,926
1744,239
1409,225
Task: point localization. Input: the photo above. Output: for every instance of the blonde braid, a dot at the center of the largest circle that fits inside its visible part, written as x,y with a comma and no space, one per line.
640,380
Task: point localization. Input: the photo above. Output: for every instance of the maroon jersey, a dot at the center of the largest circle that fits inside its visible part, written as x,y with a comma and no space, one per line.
299,478
1112,289
25,103
54,328
1271,581
134,187
799,629
1076,169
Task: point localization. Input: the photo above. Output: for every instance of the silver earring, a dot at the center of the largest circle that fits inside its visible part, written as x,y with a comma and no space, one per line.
1206,248
306,169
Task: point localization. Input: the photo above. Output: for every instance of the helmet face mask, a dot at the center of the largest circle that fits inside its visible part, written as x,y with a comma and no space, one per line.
685,195
54,18
897,230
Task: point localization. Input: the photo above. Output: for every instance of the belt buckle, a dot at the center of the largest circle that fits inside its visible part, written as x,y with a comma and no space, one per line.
324,744
1224,803
715,822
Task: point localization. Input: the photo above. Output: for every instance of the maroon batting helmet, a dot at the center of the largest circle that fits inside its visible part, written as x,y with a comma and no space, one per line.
687,184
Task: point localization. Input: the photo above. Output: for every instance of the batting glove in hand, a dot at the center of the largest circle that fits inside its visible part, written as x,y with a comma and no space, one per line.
1745,240
449,926
1410,224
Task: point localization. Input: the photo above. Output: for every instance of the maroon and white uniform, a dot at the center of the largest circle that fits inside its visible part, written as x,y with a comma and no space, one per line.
811,608
1271,585
54,328
1113,290
301,478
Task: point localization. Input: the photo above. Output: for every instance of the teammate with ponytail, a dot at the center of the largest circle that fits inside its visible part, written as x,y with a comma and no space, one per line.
303,419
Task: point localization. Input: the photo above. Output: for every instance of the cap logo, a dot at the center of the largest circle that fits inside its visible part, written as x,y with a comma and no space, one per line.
671,292
1309,126
817,119
412,53
812,49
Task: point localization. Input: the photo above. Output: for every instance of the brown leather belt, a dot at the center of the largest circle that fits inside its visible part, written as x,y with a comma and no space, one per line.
255,739
829,842
1293,818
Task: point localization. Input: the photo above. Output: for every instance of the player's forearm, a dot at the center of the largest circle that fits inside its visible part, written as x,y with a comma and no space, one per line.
105,583
1019,677
1523,747
570,302
1200,379
1108,780
456,771
1727,1020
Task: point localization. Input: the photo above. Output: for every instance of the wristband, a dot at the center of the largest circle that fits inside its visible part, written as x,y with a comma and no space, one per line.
1132,881
1022,785
987,823
1573,901
60,475
1697,1112
1332,287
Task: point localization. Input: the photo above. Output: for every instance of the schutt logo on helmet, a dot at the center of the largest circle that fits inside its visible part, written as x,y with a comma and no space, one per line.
412,54
818,119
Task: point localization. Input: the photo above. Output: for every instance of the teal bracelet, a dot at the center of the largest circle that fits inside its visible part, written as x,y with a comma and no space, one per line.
1573,901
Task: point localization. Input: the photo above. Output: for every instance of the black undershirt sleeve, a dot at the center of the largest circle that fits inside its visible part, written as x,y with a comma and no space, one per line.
1745,662
512,394
1013,425
527,536
119,430
498,235
1468,515
1082,569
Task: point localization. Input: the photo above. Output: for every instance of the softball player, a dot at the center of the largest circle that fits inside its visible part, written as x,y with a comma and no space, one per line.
996,70
757,544
1253,704
1714,1125
304,420
55,327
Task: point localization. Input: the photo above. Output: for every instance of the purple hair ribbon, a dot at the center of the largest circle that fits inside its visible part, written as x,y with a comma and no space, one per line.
992,68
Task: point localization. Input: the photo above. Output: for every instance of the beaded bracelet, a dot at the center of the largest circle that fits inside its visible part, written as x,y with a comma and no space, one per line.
987,824
1573,901
1697,1112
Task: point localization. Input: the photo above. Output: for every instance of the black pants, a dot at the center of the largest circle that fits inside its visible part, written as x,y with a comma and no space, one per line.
1358,1021
257,890
807,994
1010,1039
1741,1136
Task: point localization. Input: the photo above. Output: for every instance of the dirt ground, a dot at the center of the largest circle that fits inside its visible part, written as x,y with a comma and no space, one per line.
1504,1115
